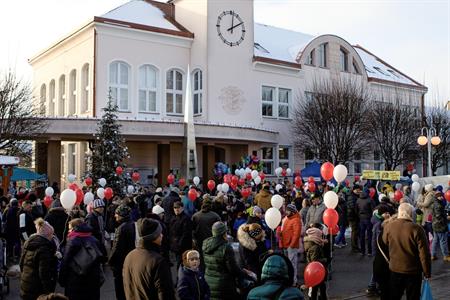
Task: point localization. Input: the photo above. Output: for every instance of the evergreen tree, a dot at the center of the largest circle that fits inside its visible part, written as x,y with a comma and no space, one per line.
109,150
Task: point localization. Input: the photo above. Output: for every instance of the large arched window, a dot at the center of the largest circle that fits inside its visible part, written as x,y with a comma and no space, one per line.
85,88
42,99
51,98
62,95
343,59
147,88
198,92
174,92
72,93
119,73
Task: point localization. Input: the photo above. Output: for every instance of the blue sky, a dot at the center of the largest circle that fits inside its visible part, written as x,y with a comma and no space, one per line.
411,35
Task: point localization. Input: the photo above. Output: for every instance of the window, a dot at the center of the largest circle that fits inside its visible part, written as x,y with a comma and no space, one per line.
260,48
323,48
378,166
118,84
309,96
369,70
376,155
267,159
51,100
72,92
393,73
198,92
357,156
284,96
311,57
174,92
42,99
356,68
63,160
268,93
381,71
62,95
72,156
357,168
85,88
283,156
147,88
344,60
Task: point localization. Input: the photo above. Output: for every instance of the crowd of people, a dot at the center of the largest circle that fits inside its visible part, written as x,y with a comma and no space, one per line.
160,244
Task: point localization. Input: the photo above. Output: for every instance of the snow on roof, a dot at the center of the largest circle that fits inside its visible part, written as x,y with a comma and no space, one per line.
140,12
279,43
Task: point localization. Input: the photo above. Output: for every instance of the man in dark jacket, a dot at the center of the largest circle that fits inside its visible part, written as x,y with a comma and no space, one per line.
124,242
96,222
12,229
352,216
26,221
203,222
440,229
57,217
364,209
168,202
180,232
146,273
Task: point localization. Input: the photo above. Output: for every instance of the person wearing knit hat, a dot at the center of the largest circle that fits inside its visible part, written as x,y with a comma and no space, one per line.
202,222
191,282
145,265
251,241
96,221
158,210
292,208
314,243
291,229
43,228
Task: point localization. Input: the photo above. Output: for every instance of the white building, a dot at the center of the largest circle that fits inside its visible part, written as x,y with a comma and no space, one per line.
245,78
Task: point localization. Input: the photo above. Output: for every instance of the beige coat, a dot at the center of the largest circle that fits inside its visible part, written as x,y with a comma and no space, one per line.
425,203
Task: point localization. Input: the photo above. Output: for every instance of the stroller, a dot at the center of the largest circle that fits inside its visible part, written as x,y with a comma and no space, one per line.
4,280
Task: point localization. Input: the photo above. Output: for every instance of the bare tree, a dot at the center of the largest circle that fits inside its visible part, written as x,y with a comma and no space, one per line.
439,119
19,119
394,129
331,120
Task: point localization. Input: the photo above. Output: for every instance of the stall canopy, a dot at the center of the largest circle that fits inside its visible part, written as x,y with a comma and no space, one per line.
312,169
20,174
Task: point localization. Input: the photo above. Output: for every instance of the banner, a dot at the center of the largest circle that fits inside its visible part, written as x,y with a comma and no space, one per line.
381,175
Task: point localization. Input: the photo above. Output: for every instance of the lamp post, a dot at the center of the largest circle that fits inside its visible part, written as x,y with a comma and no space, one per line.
429,138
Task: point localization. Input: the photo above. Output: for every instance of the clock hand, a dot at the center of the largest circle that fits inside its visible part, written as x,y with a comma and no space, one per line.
232,22
231,28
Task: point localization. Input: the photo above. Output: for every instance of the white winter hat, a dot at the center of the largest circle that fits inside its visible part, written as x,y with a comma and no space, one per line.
159,190
157,210
428,187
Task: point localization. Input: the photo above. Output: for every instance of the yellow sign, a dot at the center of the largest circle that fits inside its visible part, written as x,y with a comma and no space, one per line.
381,175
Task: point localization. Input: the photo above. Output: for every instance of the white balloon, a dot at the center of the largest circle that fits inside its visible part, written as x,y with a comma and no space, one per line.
278,171
278,187
415,177
196,180
415,186
49,191
331,199
101,193
272,217
242,172
130,189
381,196
257,180
225,187
288,172
254,174
398,186
277,201
236,172
71,178
102,182
340,173
248,170
68,199
88,198
219,188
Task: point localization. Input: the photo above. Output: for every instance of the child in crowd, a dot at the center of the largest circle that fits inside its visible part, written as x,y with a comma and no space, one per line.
191,281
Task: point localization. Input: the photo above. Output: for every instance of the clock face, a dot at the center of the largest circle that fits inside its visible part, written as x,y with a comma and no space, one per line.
230,28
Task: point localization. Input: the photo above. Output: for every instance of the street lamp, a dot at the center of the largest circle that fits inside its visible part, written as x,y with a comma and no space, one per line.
429,138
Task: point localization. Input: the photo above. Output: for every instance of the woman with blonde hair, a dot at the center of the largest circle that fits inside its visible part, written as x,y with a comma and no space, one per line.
191,281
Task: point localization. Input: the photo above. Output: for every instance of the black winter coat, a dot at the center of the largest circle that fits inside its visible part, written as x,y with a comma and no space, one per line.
364,208
12,226
124,242
192,285
58,218
95,220
180,233
167,204
202,222
38,265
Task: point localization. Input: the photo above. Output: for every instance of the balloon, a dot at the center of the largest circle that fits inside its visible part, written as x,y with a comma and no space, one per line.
398,195
182,182
135,176
326,171
219,187
398,186
68,199
49,191
283,173
311,187
372,192
248,176
298,181
447,195
331,199
88,198
248,170
196,180
254,174
241,181
88,181
311,179
415,178
340,173
330,217
288,172
277,201
130,189
415,186
233,186
211,184
262,175
48,201
272,217
192,194
227,179
333,230
357,177
170,178
101,193
225,187
108,193
347,182
314,274
257,180
80,196
73,186
119,170
381,196
237,173
245,193
71,178
278,187
102,182
234,180
278,171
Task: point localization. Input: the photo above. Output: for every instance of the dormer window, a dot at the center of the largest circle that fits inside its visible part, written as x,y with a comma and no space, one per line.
381,71
356,68
311,57
344,59
323,49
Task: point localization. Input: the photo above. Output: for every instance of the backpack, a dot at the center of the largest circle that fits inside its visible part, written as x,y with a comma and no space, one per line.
85,258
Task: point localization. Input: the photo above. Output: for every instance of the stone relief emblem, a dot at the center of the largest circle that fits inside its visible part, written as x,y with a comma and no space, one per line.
232,99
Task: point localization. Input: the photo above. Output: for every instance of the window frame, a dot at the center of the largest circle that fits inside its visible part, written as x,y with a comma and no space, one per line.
119,86
356,68
84,101
275,103
284,160
72,159
148,90
174,92
311,58
72,104
198,92
51,97
343,59
323,55
42,99
288,104
62,95
268,160
266,102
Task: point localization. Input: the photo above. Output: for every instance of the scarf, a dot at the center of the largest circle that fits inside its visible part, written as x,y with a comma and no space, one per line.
75,234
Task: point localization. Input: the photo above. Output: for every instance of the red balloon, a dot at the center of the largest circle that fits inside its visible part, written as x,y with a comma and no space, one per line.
311,187
298,181
447,195
234,180
192,194
314,274
170,178
108,193
326,171
357,177
227,179
135,176
245,193
119,170
182,182
347,182
48,201
398,195
333,230
88,181
248,176
233,186
241,181
73,187
283,172
211,184
262,175
80,196
372,192
311,179
330,217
